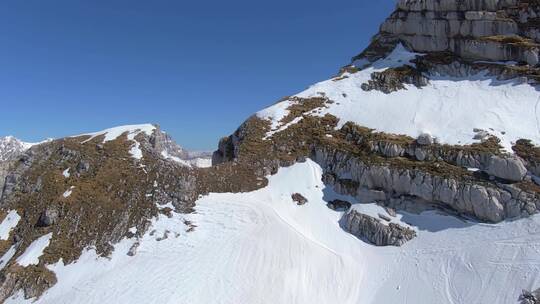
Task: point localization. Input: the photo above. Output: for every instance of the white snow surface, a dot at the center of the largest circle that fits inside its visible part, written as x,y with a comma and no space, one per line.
68,192
375,210
166,155
10,221
199,162
66,173
448,108
7,256
114,133
131,130
135,150
260,247
34,251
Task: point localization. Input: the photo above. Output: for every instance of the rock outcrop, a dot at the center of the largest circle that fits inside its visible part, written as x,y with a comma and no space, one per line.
339,205
509,168
299,199
383,183
377,231
528,297
10,150
162,142
393,79
494,30
486,156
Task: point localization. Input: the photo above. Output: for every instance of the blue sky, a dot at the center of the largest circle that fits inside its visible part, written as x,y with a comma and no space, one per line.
198,68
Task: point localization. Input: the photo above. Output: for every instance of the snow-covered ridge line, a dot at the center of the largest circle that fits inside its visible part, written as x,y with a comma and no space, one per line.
11,147
448,108
115,132
25,145
131,130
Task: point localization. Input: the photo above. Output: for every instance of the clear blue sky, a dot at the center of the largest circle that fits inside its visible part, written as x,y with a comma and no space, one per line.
198,68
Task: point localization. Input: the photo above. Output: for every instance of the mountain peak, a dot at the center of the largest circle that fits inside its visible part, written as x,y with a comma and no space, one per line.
496,31
11,147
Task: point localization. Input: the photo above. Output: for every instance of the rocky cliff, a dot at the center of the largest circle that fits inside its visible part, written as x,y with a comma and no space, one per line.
379,128
10,149
495,30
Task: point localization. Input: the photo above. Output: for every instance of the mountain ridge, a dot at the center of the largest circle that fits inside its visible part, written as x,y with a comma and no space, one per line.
428,157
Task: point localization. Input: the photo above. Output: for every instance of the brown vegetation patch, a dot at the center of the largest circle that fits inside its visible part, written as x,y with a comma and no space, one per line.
525,149
394,79
511,39
112,192
302,106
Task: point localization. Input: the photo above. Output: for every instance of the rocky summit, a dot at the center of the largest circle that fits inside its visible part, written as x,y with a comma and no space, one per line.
412,175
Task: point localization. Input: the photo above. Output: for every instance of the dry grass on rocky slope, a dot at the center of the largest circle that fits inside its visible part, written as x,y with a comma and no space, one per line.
112,192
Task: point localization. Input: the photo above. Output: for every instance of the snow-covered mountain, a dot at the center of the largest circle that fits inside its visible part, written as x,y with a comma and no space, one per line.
11,148
412,176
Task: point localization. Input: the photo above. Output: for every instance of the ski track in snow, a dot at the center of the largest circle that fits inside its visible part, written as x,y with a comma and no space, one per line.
260,247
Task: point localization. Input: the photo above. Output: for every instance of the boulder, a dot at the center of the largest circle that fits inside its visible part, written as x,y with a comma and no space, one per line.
508,168
299,199
376,232
424,139
48,217
83,167
339,205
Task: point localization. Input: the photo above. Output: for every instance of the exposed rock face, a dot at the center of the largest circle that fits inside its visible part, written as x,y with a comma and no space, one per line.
164,145
48,217
530,154
509,168
487,202
390,169
4,167
163,142
11,148
528,297
486,156
299,199
478,30
339,205
377,232
424,139
393,79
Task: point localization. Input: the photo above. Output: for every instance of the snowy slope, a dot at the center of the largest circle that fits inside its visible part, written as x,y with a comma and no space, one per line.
8,223
32,254
448,108
114,133
135,151
260,247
